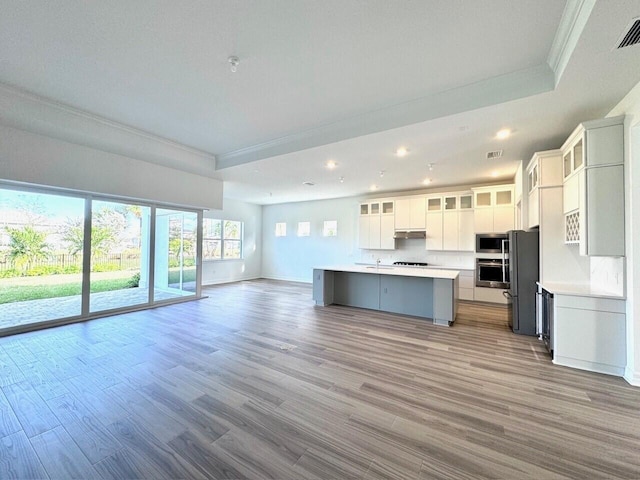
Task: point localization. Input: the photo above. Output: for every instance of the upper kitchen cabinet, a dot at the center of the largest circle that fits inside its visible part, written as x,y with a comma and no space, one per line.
434,223
543,171
493,211
593,189
410,213
458,222
376,225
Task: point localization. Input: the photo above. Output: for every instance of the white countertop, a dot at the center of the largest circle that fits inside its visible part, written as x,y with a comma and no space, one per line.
579,290
388,270
432,267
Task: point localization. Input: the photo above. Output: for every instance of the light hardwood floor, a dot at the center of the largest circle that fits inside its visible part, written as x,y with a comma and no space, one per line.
256,382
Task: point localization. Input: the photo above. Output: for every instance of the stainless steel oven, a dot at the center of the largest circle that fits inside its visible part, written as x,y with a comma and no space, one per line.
492,272
492,243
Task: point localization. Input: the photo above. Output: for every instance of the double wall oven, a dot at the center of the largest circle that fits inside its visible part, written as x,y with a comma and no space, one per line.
492,260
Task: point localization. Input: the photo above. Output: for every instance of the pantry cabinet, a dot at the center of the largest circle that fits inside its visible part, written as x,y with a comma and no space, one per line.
593,187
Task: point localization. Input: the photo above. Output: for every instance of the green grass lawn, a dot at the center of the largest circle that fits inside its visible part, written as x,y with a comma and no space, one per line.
23,293
36,292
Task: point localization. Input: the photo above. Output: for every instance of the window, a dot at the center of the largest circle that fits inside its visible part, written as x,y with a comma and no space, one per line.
330,228
232,240
304,229
222,239
281,229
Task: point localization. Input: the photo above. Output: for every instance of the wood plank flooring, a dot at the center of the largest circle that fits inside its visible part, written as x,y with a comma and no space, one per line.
256,382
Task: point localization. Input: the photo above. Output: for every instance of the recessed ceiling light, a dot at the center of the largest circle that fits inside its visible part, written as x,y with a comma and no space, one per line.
401,151
502,134
308,184
331,164
426,181
494,174
373,187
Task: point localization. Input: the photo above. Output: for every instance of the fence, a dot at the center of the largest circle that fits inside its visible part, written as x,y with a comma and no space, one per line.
117,261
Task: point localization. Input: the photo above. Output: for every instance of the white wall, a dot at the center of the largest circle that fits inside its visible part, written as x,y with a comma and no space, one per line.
223,271
630,105
293,258
37,159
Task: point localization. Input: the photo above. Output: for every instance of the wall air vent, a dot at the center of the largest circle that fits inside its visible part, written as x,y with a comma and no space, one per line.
632,35
495,154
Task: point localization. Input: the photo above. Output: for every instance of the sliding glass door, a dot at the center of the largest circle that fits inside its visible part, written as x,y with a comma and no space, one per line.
41,261
175,254
119,255
70,256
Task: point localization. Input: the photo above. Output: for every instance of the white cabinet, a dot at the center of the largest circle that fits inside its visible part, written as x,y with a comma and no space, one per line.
434,223
450,230
589,333
543,171
466,284
376,225
410,213
458,223
450,222
494,210
593,195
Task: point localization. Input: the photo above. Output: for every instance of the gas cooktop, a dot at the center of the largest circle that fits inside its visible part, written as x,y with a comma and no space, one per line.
412,264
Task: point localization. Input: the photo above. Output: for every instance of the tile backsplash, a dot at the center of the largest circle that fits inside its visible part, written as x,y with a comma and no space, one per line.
413,250
607,274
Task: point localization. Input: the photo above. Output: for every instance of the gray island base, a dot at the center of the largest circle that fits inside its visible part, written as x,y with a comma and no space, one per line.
427,293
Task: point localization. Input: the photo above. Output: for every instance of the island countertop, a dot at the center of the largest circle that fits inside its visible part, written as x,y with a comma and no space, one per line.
399,271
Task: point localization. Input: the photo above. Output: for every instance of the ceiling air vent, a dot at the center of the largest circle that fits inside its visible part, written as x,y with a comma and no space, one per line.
633,34
495,154
308,184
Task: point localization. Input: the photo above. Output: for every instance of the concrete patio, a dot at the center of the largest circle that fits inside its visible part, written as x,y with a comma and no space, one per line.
34,311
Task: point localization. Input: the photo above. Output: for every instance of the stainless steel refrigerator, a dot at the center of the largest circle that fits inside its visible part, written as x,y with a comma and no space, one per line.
523,273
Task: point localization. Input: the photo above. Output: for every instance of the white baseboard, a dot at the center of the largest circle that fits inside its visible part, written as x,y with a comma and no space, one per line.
590,366
287,279
632,377
231,280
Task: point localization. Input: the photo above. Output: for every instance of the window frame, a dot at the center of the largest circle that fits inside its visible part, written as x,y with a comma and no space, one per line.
283,232
324,228
308,229
222,240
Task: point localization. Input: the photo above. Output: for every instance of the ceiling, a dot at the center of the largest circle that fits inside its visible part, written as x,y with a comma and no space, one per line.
343,80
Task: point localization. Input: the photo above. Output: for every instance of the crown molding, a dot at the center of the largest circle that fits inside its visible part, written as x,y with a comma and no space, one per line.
492,91
574,18
27,111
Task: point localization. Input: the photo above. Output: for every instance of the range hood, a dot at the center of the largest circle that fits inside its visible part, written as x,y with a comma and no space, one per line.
410,234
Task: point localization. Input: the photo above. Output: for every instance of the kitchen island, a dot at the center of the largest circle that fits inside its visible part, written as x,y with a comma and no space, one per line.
421,292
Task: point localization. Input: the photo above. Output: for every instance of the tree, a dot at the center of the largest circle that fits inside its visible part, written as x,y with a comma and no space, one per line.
26,246
106,227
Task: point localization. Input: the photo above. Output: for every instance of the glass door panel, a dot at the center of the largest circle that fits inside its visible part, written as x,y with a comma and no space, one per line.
175,254
119,255
41,238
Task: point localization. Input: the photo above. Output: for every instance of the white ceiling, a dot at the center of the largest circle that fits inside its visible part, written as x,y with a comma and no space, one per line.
346,80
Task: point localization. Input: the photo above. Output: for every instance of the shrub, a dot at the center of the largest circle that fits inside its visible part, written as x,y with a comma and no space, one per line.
9,273
105,267
134,281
